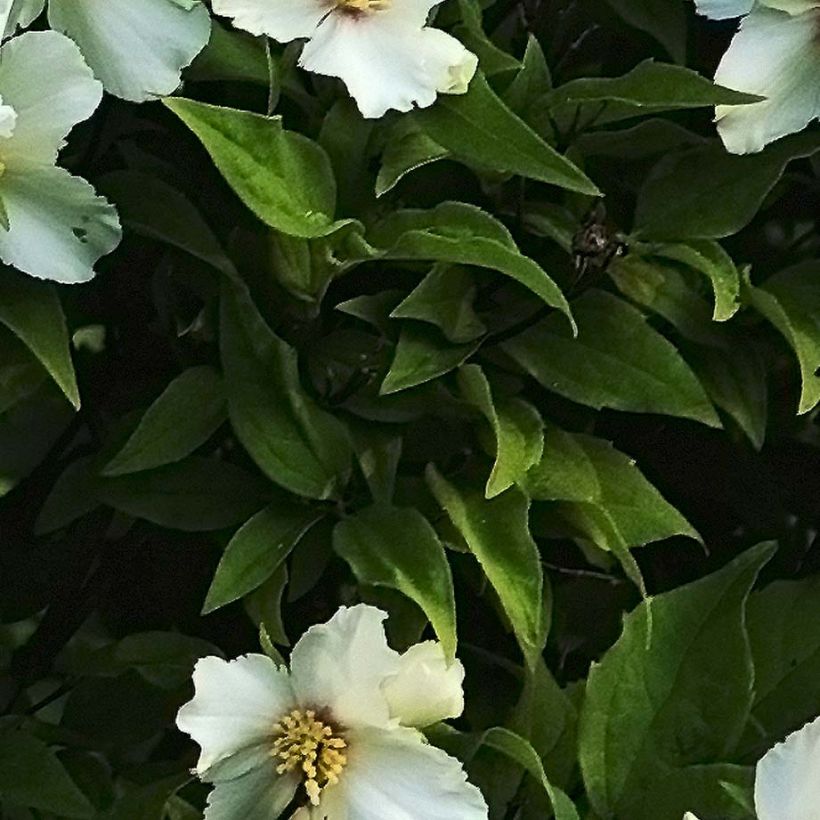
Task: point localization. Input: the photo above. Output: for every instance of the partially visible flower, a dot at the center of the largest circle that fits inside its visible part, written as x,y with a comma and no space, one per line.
54,225
787,778
137,48
776,55
382,50
338,731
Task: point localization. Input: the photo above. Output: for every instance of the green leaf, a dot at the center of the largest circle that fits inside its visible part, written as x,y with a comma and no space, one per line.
517,427
617,361
294,442
491,58
459,233
397,547
408,149
230,56
31,310
705,193
657,712
521,751
531,83
257,550
445,298
479,129
194,495
422,354
183,417
282,176
378,452
709,258
664,20
784,633
648,88
73,495
28,431
497,533
31,775
151,207
21,374
591,478
264,607
790,300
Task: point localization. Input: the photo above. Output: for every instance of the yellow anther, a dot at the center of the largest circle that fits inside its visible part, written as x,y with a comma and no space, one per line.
361,6
304,742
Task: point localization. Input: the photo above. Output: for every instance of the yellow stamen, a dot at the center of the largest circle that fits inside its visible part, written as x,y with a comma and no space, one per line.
313,746
361,6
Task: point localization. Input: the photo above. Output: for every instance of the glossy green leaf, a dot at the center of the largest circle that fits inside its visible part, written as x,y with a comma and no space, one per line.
197,494
659,714
709,258
517,427
790,300
497,533
31,309
616,361
479,129
185,415
397,547
257,550
445,299
459,233
592,479
282,176
422,354
410,148
294,442
648,88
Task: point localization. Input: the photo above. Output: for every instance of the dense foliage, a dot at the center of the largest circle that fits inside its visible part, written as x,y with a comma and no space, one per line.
534,369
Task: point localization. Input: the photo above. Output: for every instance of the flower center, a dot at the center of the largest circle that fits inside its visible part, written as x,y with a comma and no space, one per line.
361,6
311,745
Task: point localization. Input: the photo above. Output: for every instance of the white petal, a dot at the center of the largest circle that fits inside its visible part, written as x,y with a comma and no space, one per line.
260,794
396,775
410,12
385,65
723,9
235,706
787,780
44,78
342,664
791,6
58,226
138,48
426,689
18,14
776,56
8,119
283,20
689,816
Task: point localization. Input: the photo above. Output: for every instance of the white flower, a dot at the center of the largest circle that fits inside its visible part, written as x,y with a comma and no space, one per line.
137,48
381,49
55,226
787,778
776,55
338,731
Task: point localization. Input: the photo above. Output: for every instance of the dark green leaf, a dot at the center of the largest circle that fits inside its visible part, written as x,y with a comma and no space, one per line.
197,494
182,418
257,550
517,428
31,309
497,533
616,361
293,441
282,176
31,775
478,128
397,547
658,712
